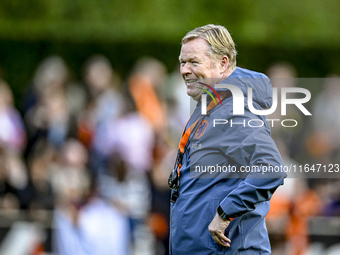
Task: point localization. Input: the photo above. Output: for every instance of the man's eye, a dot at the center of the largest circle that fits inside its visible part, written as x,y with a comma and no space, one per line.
182,63
194,62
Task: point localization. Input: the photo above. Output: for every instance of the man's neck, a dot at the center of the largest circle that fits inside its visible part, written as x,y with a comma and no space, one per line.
225,75
228,73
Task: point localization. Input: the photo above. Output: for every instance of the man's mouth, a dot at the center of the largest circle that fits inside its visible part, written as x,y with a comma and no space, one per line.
190,82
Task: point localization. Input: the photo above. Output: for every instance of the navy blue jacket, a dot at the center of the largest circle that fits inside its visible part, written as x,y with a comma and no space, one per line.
243,196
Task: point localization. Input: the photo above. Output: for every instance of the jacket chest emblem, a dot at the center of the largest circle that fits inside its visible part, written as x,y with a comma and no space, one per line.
201,128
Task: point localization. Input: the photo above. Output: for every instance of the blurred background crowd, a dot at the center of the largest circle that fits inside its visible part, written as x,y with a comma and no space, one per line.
93,156
92,107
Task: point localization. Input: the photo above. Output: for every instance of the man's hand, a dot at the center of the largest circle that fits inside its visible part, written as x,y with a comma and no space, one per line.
216,228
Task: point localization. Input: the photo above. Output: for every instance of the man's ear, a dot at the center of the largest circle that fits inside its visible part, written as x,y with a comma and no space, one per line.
224,63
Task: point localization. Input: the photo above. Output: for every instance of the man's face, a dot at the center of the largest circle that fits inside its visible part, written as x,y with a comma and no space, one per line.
197,65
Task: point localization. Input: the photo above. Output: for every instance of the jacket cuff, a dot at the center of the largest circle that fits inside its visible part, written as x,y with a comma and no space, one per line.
229,209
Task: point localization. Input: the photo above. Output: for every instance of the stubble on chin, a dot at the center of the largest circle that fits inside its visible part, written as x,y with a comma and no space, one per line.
195,96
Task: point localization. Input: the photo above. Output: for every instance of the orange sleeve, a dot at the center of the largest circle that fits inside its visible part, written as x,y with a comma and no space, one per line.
147,101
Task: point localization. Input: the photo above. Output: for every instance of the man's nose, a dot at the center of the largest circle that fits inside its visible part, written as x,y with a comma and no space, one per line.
185,69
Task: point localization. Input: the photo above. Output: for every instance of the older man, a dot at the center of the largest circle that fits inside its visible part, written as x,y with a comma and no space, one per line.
224,214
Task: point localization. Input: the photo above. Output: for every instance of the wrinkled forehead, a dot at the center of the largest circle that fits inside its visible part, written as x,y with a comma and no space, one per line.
195,48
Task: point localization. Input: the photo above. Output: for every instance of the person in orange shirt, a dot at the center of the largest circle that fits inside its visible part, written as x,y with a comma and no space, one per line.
305,204
145,84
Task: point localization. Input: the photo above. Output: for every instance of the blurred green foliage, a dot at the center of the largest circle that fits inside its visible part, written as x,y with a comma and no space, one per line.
279,22
305,33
